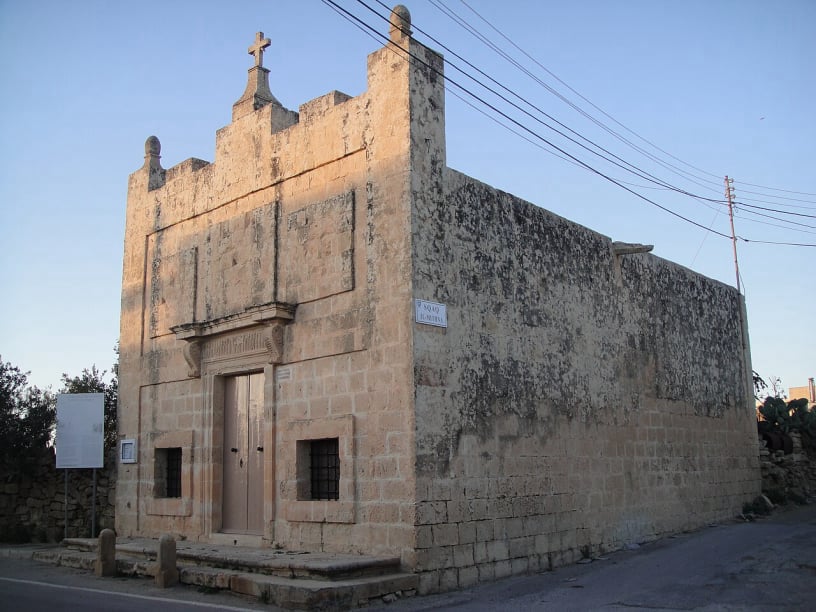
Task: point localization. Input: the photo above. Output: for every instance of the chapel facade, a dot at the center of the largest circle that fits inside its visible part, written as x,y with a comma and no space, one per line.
331,341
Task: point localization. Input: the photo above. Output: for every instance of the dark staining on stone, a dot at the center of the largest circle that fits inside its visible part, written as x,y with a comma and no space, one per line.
662,332
695,335
157,214
370,211
155,288
496,387
429,376
264,241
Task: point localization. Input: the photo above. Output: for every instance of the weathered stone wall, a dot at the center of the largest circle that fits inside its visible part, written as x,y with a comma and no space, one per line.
32,503
790,477
308,210
577,400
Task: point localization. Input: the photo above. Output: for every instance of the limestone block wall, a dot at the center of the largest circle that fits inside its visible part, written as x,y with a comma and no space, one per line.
306,214
578,400
369,393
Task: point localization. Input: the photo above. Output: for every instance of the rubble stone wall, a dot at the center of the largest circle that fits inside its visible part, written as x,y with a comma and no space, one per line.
32,504
790,477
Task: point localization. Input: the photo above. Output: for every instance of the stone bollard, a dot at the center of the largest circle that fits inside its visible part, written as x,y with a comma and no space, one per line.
166,572
106,554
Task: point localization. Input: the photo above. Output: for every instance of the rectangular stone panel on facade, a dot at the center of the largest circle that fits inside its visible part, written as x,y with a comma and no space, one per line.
238,263
200,270
319,248
171,298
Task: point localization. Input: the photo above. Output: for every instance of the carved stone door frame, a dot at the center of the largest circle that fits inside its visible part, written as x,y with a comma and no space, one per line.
253,341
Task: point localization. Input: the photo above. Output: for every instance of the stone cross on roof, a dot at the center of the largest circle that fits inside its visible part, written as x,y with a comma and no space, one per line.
257,93
257,48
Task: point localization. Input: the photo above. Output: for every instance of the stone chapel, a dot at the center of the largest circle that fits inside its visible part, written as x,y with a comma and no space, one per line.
331,341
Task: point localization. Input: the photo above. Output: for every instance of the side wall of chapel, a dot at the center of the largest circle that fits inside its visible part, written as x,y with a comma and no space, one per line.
579,400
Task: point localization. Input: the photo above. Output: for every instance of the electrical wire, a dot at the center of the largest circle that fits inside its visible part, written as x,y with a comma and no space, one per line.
368,29
632,168
522,136
514,121
799,244
473,31
705,237
600,124
759,221
439,4
798,207
783,212
778,189
769,195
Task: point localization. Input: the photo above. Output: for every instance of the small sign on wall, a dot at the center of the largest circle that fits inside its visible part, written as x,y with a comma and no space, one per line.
430,313
127,451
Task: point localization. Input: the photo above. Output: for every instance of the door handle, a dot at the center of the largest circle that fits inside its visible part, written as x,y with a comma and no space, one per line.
233,450
260,448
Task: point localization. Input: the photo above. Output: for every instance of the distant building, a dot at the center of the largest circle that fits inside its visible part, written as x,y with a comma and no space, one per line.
331,341
807,392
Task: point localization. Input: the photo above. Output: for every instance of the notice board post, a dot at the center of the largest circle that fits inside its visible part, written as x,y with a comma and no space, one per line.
80,439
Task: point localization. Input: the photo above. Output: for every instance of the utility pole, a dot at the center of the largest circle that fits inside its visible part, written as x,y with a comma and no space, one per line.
729,194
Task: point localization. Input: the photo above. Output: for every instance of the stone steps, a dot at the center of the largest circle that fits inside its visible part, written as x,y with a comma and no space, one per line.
307,581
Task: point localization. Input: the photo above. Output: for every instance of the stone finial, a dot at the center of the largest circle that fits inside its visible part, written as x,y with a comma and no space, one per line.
152,163
152,147
400,23
257,48
152,153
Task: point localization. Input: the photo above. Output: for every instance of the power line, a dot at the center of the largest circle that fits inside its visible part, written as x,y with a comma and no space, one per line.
770,195
783,212
799,207
778,189
632,168
643,174
599,123
485,40
377,35
705,237
522,136
512,120
793,226
801,244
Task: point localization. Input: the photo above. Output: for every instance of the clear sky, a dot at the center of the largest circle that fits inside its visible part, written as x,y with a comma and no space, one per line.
725,86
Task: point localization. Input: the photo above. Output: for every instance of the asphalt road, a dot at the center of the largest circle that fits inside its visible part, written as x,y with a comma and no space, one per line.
28,586
765,565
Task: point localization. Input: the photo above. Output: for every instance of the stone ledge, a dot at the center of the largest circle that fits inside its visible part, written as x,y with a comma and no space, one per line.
302,580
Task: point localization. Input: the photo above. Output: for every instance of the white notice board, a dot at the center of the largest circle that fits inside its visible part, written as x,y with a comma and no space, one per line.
80,430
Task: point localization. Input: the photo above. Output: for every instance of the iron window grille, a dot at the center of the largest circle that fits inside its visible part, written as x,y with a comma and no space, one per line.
324,469
173,472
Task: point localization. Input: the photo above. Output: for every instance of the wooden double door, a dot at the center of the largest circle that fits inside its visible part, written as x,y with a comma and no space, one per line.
243,492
